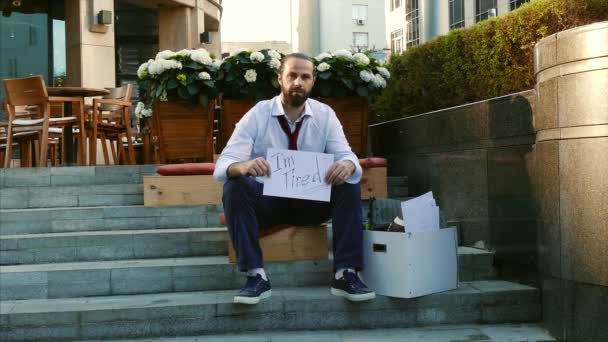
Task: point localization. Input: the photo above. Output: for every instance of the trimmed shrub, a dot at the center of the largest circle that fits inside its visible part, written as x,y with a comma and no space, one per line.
489,59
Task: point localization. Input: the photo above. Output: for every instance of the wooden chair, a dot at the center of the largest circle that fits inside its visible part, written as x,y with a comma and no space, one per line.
110,121
30,93
27,92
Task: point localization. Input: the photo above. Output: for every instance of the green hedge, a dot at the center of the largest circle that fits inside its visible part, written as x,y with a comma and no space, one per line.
492,58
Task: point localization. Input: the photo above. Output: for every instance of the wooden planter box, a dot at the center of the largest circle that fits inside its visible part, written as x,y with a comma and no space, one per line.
232,112
184,131
352,113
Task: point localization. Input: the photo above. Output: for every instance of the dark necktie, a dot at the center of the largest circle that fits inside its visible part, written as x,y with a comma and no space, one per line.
293,137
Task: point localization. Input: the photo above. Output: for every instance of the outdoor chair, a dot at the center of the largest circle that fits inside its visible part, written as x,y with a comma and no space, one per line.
110,122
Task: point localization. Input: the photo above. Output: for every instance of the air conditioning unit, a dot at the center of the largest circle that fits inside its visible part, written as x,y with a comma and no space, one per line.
360,22
492,12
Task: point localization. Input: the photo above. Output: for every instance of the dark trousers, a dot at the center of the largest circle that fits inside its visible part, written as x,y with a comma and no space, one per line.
246,210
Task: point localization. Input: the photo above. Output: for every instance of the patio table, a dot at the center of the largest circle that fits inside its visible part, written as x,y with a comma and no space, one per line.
67,111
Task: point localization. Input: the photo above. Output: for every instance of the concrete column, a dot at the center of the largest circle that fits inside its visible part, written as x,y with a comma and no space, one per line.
90,55
469,12
304,29
571,126
434,19
503,7
174,28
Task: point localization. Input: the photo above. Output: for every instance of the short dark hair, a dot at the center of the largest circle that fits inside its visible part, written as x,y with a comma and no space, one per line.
298,55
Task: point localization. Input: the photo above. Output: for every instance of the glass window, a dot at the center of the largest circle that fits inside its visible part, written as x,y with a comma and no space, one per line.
397,41
412,23
30,41
456,14
360,39
515,4
485,9
359,12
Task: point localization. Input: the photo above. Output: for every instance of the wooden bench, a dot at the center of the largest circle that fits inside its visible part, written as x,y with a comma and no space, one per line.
193,184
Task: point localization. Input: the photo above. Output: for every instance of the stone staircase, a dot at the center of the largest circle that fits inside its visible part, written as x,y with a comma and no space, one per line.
82,258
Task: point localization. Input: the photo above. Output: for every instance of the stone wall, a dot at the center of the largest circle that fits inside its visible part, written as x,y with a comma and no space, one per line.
571,126
475,158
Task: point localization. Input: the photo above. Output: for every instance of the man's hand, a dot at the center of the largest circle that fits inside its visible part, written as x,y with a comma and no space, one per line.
339,172
257,167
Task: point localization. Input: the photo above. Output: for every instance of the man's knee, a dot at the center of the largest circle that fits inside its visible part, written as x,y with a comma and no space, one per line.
236,187
348,189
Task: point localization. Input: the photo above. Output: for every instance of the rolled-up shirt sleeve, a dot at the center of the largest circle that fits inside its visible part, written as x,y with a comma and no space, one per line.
339,147
238,148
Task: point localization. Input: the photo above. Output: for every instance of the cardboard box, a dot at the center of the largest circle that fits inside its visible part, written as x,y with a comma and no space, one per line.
411,264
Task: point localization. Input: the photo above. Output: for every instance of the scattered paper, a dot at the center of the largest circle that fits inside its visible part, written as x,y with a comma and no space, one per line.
420,213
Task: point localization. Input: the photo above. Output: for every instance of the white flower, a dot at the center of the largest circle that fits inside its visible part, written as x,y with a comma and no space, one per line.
184,52
159,66
256,57
217,63
143,68
201,56
165,54
323,67
379,81
239,50
384,72
274,63
274,54
361,58
204,76
251,75
141,111
366,75
323,56
344,54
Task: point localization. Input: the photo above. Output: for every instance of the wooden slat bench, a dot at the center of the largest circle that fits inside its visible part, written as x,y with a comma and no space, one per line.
193,184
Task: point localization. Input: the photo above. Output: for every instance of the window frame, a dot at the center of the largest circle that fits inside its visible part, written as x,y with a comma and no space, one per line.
456,24
481,15
355,39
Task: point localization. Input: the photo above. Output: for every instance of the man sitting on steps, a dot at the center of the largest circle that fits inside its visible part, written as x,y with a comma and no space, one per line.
291,120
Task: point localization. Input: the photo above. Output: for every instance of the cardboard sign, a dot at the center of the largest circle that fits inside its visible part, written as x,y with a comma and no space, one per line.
298,174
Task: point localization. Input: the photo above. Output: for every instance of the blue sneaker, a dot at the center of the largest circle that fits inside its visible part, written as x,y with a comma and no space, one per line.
351,287
255,289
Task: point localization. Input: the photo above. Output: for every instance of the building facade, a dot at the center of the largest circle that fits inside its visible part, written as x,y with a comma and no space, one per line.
327,25
413,22
99,43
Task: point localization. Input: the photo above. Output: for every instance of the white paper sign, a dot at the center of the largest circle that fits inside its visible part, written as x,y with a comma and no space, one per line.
420,213
298,174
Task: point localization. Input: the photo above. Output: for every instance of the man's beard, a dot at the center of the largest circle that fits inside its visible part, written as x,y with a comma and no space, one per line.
295,100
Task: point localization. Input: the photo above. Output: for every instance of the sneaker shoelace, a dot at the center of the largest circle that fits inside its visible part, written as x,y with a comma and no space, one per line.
353,280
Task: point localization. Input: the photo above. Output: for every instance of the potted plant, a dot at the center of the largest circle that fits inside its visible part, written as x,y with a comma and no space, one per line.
245,78
177,90
346,82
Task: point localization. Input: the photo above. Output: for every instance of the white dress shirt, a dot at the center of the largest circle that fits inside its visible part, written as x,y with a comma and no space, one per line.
259,130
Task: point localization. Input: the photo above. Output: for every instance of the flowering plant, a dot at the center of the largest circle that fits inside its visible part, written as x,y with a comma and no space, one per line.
250,75
343,73
183,75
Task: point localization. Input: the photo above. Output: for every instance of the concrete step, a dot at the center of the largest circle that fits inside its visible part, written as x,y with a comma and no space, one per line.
112,245
80,219
117,277
75,175
72,196
437,333
213,312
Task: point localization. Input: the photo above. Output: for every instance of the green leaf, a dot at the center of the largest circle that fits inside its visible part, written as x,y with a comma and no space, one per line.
183,93
275,83
348,83
193,89
362,91
230,77
325,75
172,83
209,84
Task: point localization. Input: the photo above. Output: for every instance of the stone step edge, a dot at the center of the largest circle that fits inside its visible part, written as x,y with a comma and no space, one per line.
457,332
25,210
282,294
116,232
